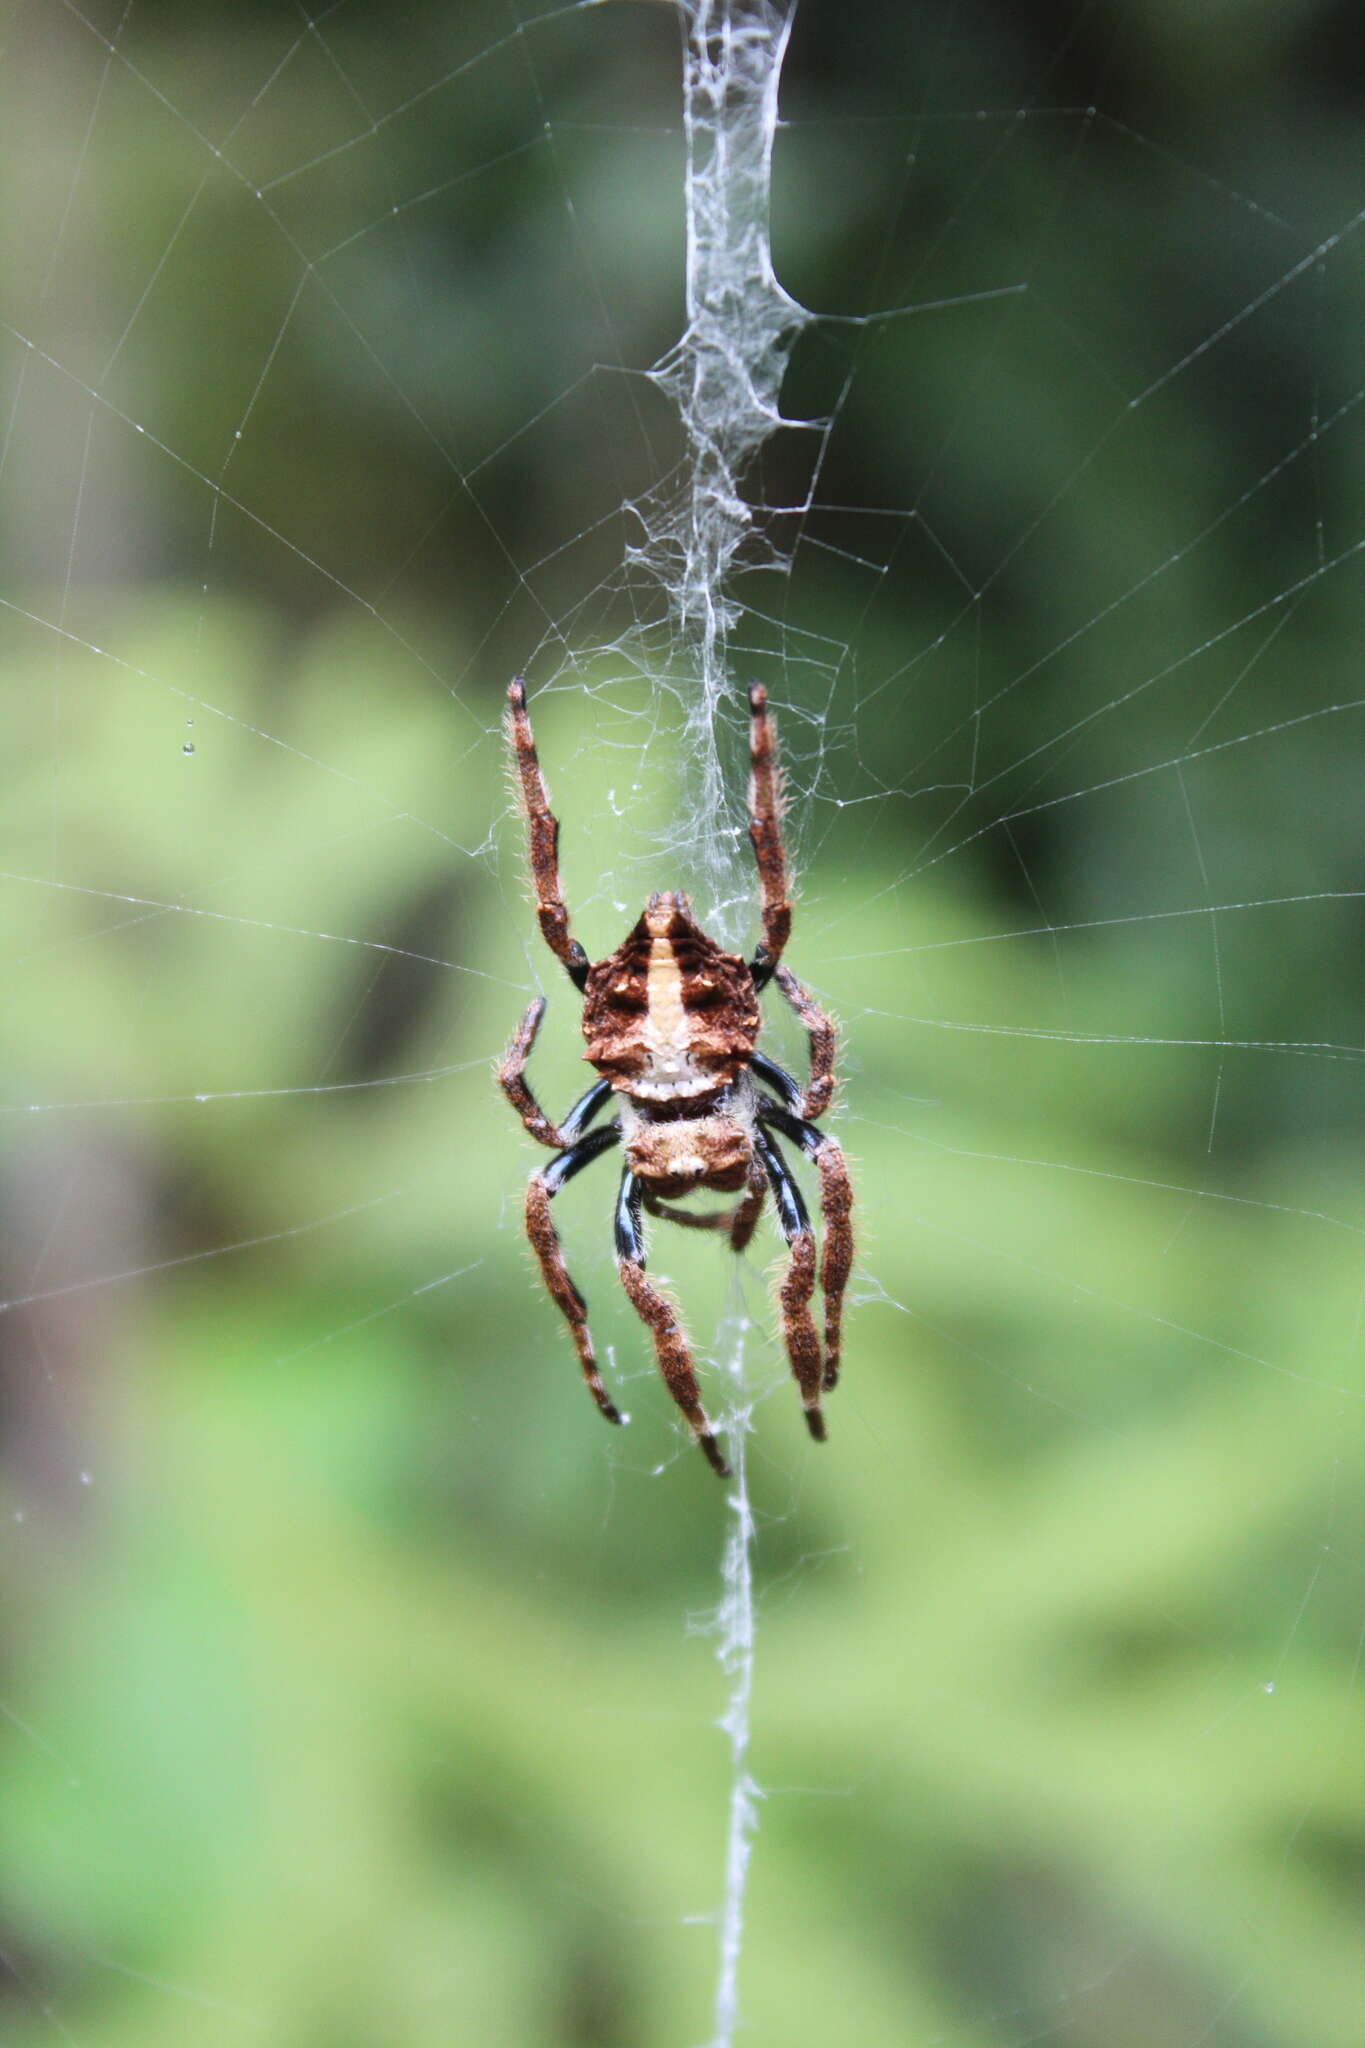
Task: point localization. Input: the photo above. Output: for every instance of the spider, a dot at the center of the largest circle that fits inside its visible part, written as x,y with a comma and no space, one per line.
671,1023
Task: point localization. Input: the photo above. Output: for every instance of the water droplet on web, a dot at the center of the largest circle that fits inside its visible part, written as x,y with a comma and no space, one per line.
1269,1685
188,747
85,1479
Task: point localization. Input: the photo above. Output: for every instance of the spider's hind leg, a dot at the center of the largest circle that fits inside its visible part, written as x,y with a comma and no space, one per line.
836,1208
690,1219
658,1312
738,1221
798,1330
748,1209
545,1244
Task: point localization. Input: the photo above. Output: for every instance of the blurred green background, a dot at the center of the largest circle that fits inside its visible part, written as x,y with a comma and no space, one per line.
357,1684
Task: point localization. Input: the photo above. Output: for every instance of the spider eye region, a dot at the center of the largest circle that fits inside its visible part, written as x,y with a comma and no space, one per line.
668,914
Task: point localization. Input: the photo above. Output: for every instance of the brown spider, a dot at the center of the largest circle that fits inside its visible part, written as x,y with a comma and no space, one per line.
671,1023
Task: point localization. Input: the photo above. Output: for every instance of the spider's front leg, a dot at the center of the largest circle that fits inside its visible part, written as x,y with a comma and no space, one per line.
542,1188
765,836
658,1312
542,828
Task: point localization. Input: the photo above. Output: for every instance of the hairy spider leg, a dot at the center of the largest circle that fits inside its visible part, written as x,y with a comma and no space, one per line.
518,1092
765,836
540,1191
659,1313
820,1031
811,1102
798,1330
836,1211
749,1208
542,828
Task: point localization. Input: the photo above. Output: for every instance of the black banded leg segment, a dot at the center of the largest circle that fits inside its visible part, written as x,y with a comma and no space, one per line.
658,1313
578,1156
836,1210
777,1078
629,1228
542,1188
798,1330
584,1110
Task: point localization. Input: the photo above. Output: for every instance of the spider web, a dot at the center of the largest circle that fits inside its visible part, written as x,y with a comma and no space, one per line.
353,361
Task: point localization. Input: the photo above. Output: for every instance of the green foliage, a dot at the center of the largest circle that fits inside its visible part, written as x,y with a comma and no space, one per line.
358,1704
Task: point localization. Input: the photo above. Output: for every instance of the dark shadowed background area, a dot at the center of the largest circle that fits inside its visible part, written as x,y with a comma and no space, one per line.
356,1684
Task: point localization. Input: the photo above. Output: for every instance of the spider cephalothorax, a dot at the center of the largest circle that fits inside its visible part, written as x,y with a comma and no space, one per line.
668,1017
671,1023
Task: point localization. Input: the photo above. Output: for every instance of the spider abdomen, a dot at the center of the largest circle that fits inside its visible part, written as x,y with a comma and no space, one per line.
712,1151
